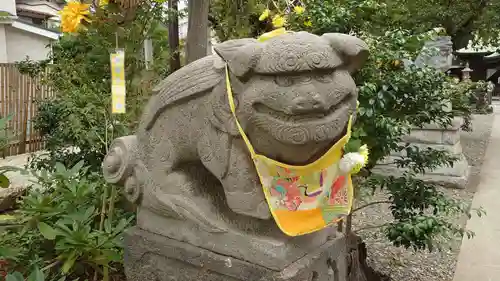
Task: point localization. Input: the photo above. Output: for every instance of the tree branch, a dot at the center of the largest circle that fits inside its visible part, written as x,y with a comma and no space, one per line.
477,13
371,204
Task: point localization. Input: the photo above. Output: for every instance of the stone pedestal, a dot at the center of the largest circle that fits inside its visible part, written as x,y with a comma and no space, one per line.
150,256
437,138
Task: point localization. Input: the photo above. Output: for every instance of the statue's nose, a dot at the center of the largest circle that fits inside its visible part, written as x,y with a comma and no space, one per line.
312,103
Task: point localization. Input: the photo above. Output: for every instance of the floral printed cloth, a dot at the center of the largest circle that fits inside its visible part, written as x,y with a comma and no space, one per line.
303,199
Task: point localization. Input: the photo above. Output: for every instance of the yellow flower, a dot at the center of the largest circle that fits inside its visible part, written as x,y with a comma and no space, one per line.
72,16
279,21
299,10
264,15
269,35
363,150
308,23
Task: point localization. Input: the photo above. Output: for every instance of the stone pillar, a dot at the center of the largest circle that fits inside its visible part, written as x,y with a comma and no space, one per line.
436,137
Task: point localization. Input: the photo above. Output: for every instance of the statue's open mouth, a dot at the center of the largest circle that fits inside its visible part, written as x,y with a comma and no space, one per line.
314,116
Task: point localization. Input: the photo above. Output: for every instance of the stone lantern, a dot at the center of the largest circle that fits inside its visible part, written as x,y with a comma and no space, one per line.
466,73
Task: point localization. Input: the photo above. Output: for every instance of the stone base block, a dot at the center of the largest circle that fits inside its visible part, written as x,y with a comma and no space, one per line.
451,177
151,256
270,248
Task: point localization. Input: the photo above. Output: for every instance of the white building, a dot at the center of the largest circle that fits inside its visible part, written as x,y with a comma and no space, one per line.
27,28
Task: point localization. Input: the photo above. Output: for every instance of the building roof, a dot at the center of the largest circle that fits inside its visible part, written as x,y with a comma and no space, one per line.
44,8
35,29
35,9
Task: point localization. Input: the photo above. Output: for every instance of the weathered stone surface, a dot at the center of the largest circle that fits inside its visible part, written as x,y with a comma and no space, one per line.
436,53
455,149
271,248
154,257
431,136
452,177
456,123
436,134
192,176
9,196
424,136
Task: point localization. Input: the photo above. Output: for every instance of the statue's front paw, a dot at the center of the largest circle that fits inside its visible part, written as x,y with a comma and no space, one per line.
119,163
248,204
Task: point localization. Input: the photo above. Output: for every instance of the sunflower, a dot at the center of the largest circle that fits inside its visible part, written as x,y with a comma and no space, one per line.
72,16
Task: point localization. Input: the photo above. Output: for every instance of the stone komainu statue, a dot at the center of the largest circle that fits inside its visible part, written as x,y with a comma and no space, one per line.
187,167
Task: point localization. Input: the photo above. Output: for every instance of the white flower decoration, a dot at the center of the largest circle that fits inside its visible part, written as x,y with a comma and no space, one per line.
353,162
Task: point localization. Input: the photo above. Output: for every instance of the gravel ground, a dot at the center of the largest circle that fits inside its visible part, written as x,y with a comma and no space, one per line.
407,265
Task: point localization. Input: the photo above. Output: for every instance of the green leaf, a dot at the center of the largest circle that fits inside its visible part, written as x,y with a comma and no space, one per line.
9,253
4,218
89,213
107,226
77,167
36,275
68,264
4,181
60,169
16,276
3,121
47,231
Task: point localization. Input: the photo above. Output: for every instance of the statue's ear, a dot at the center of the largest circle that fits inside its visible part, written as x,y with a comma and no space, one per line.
353,50
241,55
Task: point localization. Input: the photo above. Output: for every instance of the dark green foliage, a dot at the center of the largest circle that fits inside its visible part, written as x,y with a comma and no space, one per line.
394,99
79,115
71,226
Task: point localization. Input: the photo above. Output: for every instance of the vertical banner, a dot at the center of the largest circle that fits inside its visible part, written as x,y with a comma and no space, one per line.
118,81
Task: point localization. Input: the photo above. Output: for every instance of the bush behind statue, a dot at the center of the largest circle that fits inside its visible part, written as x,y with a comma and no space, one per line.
76,123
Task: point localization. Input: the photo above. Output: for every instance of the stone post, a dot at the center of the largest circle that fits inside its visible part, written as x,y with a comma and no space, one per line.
439,138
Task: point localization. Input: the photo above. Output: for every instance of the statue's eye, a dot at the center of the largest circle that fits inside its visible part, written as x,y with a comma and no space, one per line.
284,81
325,77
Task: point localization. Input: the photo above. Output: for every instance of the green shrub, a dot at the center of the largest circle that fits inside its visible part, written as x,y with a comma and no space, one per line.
68,226
394,99
79,115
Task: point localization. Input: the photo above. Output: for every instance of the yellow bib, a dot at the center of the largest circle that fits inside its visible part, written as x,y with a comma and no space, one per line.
302,199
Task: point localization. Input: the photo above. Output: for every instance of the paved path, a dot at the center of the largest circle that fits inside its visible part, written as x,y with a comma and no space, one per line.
16,178
479,258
